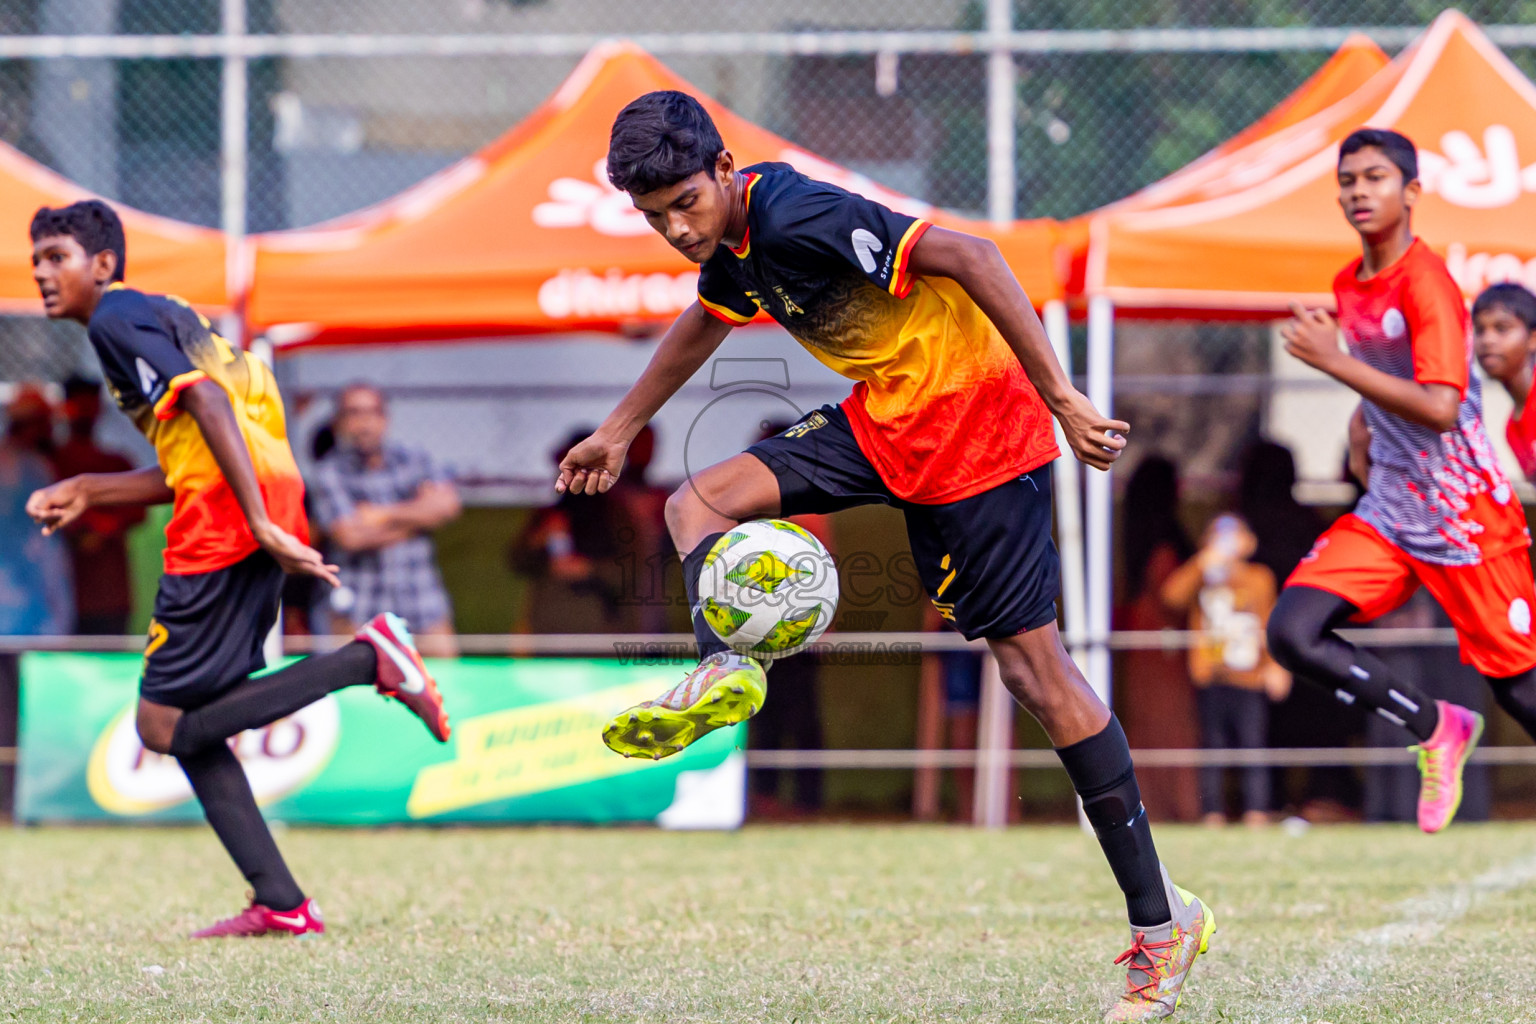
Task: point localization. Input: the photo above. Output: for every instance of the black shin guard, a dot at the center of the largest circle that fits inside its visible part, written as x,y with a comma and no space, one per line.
1101,772
1303,641
1517,696
256,702
222,789
693,565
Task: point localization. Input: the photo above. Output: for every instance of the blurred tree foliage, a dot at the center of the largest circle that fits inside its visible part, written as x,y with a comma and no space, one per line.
1094,128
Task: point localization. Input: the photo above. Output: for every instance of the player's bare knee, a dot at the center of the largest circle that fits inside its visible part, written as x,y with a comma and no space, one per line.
154,736
1031,690
683,511
156,725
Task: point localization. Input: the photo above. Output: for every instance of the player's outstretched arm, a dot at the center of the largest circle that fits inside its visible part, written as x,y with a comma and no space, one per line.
593,465
978,267
209,406
1312,335
60,504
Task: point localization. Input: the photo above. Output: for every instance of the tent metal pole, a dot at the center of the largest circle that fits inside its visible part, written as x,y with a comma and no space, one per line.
1002,119
1100,575
234,162
994,748
1067,477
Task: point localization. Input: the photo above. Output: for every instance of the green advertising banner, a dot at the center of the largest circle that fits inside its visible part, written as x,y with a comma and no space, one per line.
526,747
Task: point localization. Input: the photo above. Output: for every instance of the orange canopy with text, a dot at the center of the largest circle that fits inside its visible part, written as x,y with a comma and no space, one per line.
1351,66
527,235
1472,115
163,255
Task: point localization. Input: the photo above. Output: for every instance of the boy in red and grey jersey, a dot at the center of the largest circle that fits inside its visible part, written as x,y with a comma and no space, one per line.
1437,512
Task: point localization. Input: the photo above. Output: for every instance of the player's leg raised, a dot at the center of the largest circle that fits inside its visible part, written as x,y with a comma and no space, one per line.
725,687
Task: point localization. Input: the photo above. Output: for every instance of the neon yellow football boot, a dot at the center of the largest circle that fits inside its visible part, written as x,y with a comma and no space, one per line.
725,688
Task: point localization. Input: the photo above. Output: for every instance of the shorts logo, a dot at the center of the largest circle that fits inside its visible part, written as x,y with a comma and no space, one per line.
812,422
946,609
1520,616
1393,325
865,245
1317,550
158,635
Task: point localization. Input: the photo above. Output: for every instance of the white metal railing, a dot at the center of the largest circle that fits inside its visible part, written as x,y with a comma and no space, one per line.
913,760
992,758
1266,757
653,646
801,43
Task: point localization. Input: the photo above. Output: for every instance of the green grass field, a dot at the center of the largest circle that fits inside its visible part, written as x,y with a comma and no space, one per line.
818,923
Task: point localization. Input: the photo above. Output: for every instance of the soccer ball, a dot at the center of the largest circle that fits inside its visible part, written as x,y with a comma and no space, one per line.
768,588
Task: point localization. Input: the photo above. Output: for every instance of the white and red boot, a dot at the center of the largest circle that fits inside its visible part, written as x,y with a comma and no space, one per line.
257,919
402,674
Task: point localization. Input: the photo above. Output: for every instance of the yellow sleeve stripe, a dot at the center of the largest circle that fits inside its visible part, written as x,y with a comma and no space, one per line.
166,407
901,281
725,313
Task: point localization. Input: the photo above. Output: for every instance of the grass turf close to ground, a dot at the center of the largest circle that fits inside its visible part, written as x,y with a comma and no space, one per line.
815,923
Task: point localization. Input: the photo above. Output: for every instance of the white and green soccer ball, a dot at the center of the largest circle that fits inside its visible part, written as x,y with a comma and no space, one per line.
768,588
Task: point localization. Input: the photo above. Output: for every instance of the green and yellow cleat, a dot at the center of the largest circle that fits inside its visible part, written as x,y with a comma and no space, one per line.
1160,958
725,689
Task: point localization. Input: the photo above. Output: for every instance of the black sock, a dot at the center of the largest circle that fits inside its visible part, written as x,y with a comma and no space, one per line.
1101,772
222,789
257,702
693,565
1303,641
1517,696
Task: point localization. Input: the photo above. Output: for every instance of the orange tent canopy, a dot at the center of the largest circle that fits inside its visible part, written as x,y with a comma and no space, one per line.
1472,115
527,235
1350,67
163,255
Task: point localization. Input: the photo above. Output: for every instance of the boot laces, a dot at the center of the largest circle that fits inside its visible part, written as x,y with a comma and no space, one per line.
1432,766
1155,955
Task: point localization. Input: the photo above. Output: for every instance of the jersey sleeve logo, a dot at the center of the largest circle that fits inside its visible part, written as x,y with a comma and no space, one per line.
1393,325
865,245
149,380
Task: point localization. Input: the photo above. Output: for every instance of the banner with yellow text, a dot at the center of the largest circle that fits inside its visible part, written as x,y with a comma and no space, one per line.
526,747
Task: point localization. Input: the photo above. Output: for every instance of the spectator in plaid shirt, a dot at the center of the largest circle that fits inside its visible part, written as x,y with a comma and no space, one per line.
378,503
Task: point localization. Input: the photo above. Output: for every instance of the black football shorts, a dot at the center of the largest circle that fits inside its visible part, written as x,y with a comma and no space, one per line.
208,630
987,562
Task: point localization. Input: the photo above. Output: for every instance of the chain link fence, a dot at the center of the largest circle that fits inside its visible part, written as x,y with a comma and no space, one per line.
349,101
329,134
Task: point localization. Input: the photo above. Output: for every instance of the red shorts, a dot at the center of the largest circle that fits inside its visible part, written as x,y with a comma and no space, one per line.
1489,604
